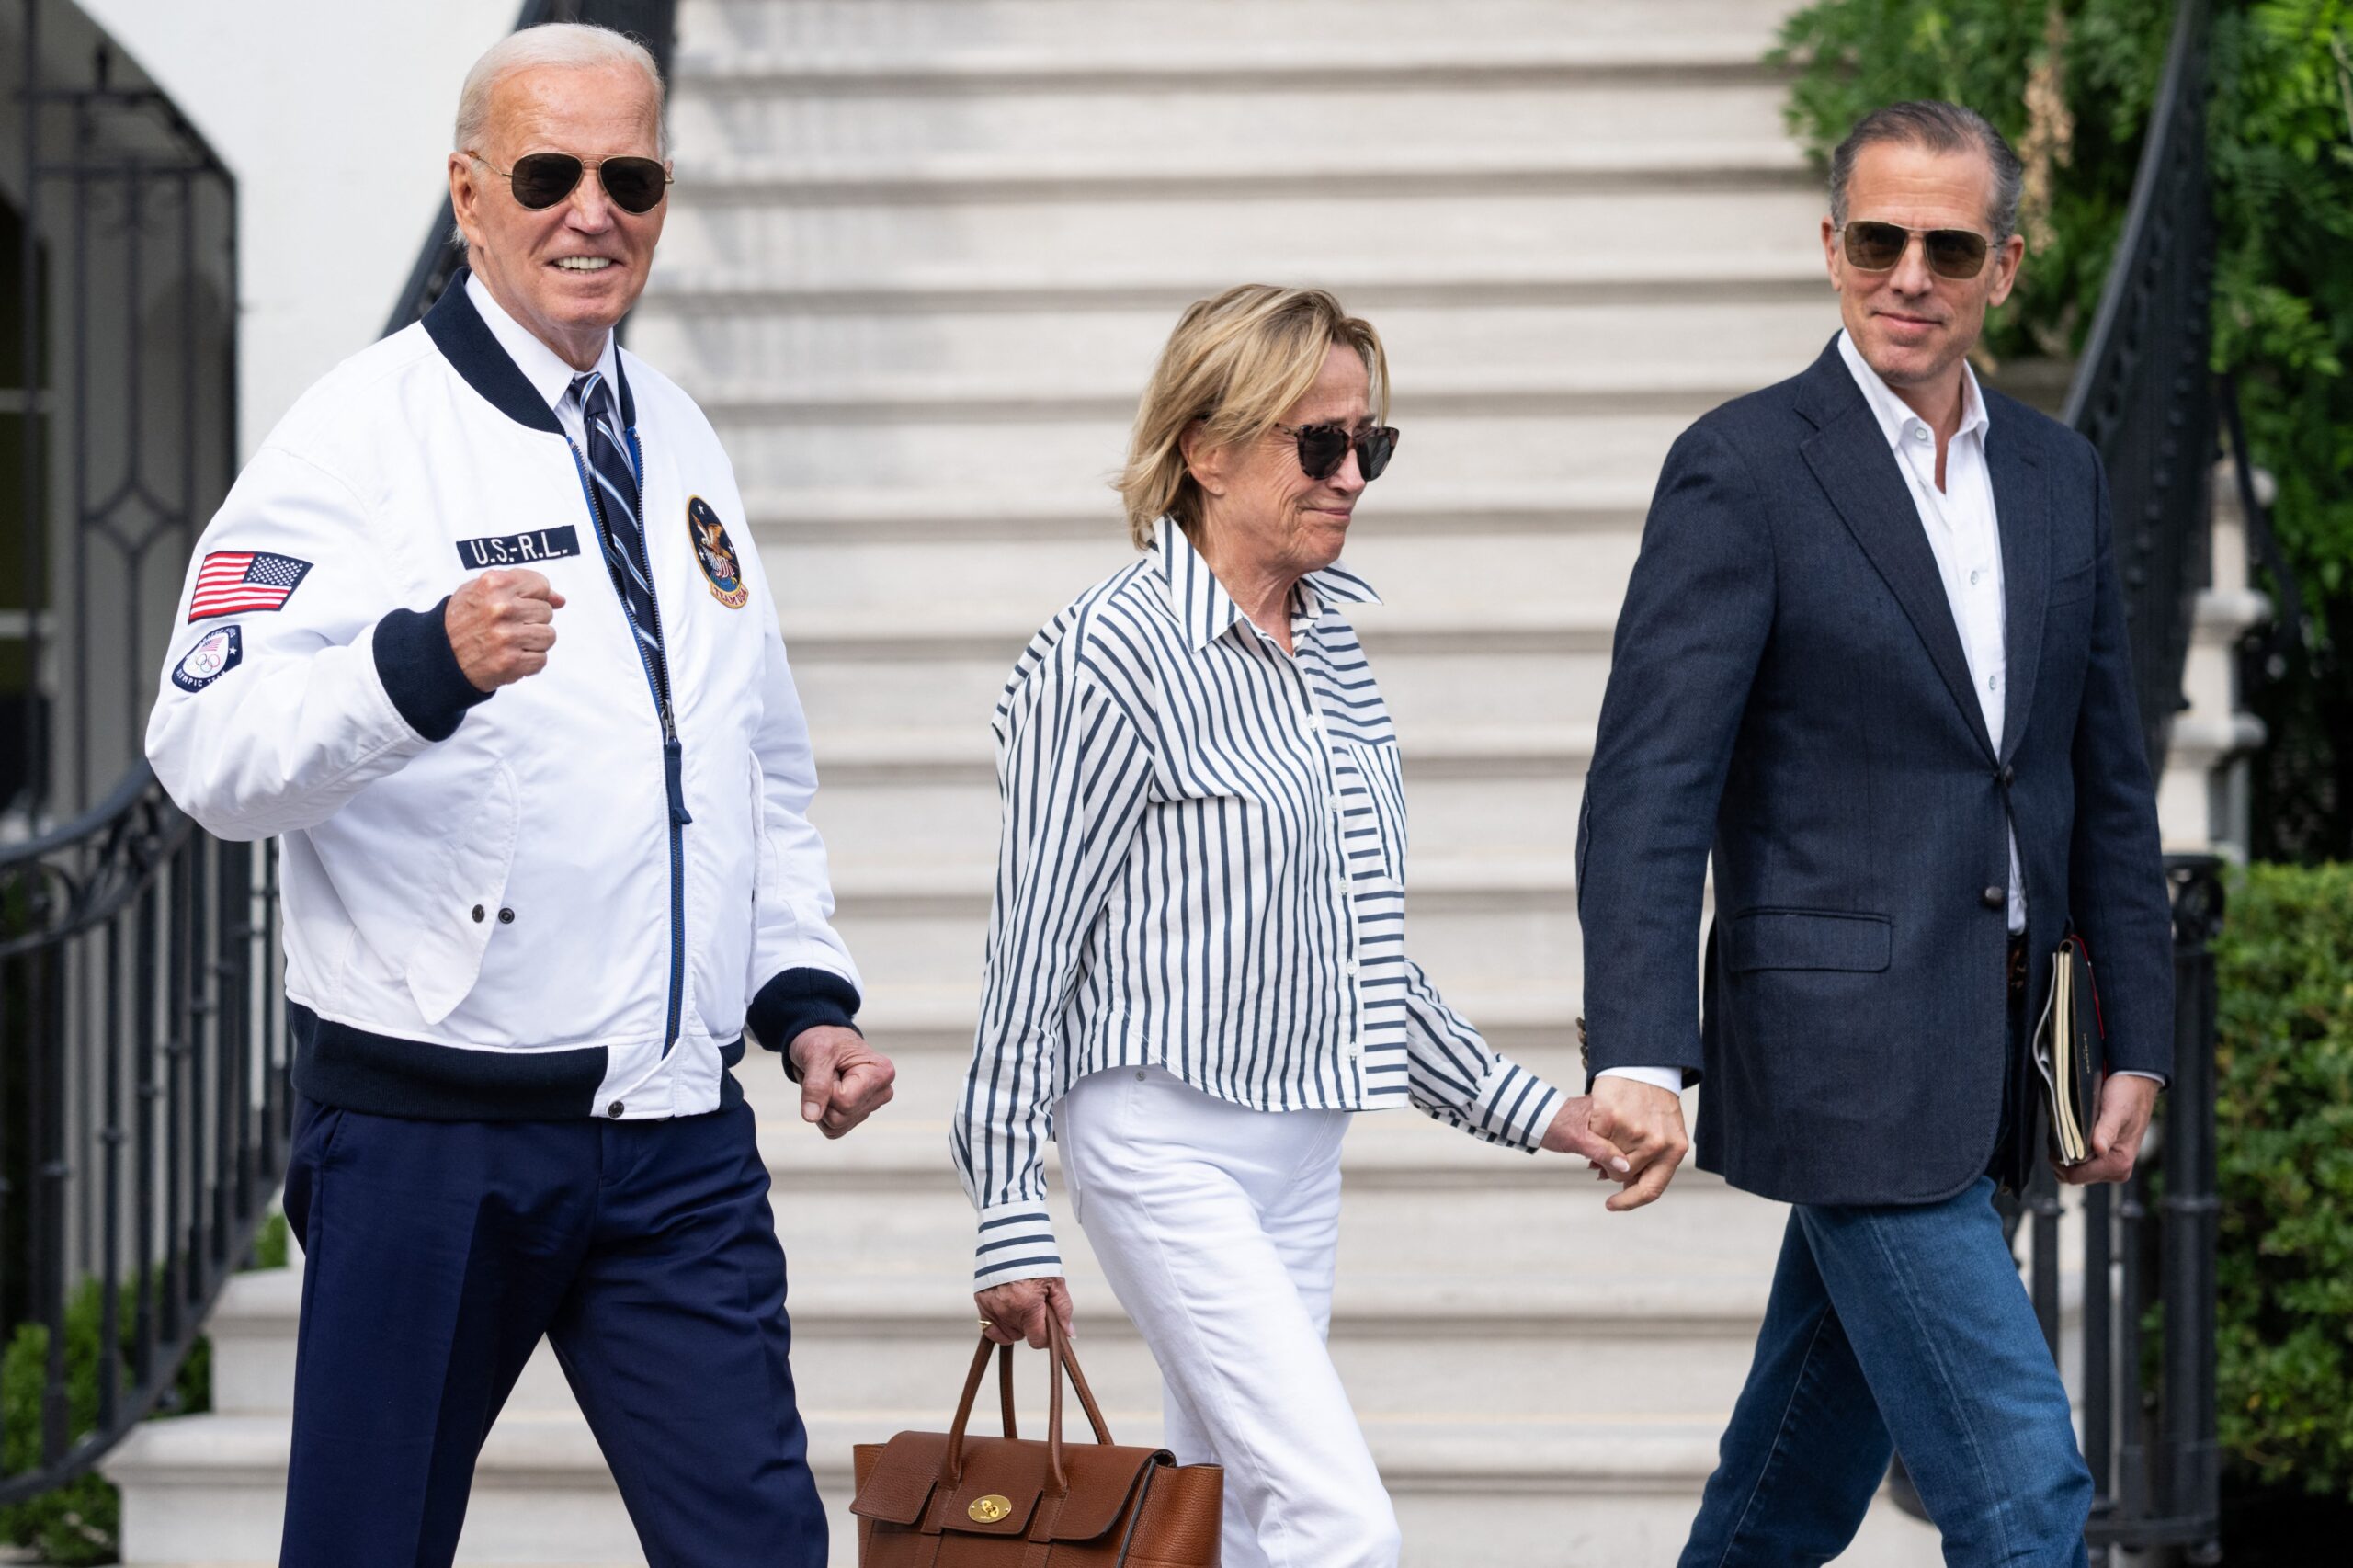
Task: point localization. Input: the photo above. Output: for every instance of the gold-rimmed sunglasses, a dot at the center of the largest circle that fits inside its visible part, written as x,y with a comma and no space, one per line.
539,181
1956,254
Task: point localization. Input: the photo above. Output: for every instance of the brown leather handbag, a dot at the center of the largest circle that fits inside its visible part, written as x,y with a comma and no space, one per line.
943,1500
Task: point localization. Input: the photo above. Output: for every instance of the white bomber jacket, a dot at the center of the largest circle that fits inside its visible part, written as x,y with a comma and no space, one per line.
530,906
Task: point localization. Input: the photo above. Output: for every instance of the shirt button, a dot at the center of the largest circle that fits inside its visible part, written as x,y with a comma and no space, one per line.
1993,682
1919,432
1993,898
1973,576
479,914
1316,721
614,1110
506,917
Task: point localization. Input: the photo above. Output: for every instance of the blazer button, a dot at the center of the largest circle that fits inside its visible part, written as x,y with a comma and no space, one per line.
506,917
2008,776
478,913
1994,898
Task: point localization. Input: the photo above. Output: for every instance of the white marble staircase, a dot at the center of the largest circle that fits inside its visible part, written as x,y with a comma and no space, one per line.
920,255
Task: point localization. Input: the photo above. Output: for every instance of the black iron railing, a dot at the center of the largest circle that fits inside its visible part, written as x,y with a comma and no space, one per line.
654,23
144,1099
2145,397
141,1068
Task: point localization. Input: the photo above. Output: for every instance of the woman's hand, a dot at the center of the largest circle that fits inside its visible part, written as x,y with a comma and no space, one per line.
1571,1133
1016,1310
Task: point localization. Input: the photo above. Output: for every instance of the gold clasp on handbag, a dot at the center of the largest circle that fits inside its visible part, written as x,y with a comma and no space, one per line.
988,1510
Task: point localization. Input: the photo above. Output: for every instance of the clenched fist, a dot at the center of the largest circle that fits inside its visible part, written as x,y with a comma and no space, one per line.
500,626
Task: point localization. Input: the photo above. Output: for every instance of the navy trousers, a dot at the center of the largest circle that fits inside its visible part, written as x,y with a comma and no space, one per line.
438,1254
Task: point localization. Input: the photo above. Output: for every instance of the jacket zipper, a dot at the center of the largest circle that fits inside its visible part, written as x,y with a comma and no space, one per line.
674,756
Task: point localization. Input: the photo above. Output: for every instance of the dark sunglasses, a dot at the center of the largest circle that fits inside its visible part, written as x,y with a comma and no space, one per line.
1323,447
1958,254
539,181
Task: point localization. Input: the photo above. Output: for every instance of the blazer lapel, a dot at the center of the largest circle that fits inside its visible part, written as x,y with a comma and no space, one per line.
1850,459
2022,511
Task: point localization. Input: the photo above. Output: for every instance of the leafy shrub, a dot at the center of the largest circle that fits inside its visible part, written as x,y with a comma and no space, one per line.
79,1522
2285,1079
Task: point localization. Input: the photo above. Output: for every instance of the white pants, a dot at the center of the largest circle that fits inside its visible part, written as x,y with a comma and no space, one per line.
1219,1226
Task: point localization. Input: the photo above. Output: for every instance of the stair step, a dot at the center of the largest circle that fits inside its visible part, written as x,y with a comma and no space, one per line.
1548,355
1082,507
1543,1490
1405,1341
1028,452
1245,130
938,671
1335,236
1338,40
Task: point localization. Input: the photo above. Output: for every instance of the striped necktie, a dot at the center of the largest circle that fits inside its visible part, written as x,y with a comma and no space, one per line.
617,509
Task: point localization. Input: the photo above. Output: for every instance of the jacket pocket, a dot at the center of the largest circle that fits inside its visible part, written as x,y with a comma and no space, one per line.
1807,939
461,909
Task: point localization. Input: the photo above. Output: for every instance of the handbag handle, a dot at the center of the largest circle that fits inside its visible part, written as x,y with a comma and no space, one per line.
1058,1349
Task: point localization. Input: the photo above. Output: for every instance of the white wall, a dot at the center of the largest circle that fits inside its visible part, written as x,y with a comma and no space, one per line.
334,117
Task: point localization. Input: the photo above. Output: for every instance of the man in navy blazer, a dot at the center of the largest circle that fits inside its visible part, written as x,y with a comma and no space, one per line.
1873,657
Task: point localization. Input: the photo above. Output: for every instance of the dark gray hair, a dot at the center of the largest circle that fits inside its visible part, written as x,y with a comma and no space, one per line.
1938,127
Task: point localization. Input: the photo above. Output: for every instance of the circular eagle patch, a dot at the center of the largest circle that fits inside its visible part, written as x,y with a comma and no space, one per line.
716,554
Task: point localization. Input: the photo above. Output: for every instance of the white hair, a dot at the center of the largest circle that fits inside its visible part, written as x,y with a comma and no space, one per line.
574,45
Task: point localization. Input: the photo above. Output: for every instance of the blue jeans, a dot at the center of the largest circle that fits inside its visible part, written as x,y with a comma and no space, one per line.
1897,1328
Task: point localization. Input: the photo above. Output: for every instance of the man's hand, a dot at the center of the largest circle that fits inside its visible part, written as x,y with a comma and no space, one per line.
1017,1311
500,626
1646,1122
2126,1103
1571,1133
843,1080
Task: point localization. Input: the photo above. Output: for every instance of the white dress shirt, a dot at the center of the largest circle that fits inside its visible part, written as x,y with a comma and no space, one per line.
1965,537
542,366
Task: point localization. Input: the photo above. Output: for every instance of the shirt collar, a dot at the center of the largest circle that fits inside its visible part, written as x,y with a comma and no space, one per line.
1895,417
542,366
1207,611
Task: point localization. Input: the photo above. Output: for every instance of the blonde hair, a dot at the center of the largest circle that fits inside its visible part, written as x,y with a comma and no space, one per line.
1235,364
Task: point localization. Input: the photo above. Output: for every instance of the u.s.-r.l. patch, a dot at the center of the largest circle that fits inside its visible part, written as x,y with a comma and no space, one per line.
715,552
216,653
519,550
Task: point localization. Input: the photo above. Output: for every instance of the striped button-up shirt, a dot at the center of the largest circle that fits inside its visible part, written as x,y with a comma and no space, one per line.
1201,868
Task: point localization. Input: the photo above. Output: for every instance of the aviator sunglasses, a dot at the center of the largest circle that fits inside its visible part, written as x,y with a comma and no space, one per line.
1957,254
1323,447
539,181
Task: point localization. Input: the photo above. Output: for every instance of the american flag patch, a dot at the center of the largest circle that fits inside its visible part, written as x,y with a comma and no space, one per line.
234,580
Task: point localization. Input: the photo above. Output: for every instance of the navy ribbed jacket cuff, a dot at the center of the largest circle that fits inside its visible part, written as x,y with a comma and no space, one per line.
420,670
797,1000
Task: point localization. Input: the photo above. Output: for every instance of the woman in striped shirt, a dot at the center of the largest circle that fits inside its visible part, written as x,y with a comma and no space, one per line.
1197,945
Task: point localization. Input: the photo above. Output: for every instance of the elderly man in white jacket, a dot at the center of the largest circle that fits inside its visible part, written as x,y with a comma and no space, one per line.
481,632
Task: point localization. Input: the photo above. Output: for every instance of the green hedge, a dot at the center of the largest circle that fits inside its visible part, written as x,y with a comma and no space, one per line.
79,1523
2285,1078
